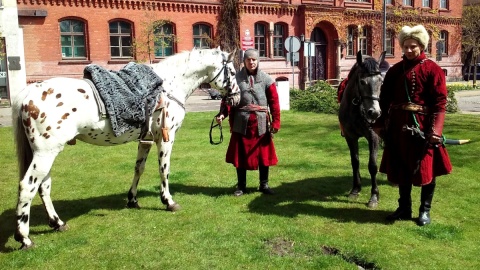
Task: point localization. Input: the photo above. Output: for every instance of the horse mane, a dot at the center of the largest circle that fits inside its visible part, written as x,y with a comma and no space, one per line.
369,65
174,60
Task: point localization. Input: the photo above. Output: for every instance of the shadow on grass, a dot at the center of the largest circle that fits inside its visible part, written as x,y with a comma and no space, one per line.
324,197
67,209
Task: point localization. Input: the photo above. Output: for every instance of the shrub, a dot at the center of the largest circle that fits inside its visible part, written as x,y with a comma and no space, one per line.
320,97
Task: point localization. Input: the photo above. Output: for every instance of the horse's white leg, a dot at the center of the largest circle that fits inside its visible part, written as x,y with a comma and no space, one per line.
37,171
142,154
164,154
53,220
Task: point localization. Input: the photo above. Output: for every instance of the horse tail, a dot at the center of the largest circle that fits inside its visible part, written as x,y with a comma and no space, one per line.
23,148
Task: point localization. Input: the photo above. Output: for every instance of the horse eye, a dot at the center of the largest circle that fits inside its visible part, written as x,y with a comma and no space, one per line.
363,82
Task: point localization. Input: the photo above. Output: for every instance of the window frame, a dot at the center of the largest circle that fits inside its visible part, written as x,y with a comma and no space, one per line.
72,34
362,40
351,40
446,4
408,3
443,36
426,3
278,40
120,35
162,39
260,39
390,43
204,40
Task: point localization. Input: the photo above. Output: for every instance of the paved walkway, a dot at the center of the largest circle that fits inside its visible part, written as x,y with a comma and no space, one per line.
468,102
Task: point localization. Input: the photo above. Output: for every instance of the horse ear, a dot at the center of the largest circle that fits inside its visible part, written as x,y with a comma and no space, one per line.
232,55
218,48
382,57
359,57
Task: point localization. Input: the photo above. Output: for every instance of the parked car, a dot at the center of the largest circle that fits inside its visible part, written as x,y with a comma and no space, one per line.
214,94
468,73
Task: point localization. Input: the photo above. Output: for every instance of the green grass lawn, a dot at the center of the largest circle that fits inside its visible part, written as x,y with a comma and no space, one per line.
308,224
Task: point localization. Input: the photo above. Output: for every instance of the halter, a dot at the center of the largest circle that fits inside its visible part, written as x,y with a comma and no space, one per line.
226,76
357,101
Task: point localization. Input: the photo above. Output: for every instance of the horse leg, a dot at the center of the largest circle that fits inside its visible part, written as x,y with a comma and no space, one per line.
355,161
142,154
53,220
164,169
373,169
36,173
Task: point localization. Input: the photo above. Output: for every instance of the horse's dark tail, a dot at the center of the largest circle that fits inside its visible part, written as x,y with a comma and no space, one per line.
24,151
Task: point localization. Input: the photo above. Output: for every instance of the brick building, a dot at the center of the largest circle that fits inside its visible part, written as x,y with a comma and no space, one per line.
62,36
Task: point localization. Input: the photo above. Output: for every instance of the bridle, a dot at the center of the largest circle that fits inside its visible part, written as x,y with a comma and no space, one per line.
226,76
358,100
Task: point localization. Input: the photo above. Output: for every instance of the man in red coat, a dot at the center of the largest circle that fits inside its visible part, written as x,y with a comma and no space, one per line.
414,95
253,123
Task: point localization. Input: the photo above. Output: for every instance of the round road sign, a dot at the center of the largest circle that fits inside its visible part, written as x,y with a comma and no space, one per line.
292,44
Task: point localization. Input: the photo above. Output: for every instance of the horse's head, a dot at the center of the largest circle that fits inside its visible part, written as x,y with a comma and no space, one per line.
368,81
223,77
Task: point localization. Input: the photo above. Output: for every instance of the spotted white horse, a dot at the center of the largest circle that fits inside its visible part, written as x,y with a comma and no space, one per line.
49,114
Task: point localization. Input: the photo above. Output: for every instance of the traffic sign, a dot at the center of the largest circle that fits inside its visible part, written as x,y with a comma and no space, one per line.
292,44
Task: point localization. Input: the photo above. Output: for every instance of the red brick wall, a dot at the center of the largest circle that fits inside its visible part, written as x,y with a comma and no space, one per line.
42,42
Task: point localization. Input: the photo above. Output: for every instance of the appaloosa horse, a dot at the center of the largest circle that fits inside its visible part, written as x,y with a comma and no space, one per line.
51,113
359,109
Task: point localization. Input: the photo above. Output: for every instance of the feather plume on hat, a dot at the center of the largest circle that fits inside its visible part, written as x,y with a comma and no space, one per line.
418,32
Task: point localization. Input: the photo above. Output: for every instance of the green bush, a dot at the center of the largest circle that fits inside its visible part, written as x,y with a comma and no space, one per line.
320,97
452,105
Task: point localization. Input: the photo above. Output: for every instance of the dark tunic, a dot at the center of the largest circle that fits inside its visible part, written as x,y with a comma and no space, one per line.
405,154
250,146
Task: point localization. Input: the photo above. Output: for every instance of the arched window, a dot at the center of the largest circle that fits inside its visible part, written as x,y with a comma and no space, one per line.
279,36
120,39
260,38
72,39
164,40
444,40
202,36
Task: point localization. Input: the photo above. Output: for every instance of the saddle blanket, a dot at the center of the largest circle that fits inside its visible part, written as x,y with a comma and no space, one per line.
130,94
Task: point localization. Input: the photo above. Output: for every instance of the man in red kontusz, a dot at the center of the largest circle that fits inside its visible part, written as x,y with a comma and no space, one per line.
251,146
413,96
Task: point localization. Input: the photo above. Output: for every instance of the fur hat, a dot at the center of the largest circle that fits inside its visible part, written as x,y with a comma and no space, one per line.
418,32
250,53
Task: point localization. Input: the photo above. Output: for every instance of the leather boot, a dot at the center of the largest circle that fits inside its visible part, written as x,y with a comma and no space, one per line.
404,210
241,182
426,203
263,175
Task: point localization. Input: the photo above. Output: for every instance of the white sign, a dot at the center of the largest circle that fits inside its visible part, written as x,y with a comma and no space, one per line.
309,49
283,89
292,44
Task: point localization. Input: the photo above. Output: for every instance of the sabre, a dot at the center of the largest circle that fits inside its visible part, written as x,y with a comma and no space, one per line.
417,132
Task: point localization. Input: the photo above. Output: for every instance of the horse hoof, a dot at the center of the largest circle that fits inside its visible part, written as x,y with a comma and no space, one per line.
174,207
27,247
353,196
62,228
133,205
372,204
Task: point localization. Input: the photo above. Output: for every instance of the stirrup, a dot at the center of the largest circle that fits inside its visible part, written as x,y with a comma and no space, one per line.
147,139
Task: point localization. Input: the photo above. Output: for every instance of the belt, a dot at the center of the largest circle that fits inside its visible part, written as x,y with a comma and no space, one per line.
411,107
254,108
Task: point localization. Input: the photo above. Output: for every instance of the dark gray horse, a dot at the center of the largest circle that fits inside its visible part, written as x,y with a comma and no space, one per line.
359,109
